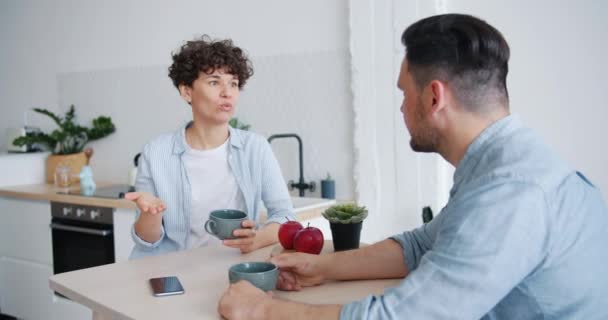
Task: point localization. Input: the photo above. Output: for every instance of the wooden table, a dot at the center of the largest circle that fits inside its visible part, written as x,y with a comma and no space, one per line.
121,290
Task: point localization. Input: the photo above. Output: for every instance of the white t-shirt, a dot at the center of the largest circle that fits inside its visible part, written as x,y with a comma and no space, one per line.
213,187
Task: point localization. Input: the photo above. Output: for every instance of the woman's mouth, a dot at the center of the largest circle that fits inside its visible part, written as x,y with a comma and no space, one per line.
226,106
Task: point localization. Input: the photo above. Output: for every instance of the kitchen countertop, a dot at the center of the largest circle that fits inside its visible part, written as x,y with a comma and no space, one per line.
49,192
304,208
121,290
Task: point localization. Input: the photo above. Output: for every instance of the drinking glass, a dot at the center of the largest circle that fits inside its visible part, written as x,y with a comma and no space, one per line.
62,176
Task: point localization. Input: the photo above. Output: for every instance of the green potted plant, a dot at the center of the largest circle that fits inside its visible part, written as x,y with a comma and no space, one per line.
68,141
237,124
345,221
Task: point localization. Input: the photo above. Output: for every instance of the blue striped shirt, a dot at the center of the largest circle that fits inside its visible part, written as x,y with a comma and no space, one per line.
162,172
523,236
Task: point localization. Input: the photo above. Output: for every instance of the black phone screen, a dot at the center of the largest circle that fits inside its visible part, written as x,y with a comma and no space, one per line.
166,286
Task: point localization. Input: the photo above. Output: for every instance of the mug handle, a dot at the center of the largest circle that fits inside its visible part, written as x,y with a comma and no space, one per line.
210,227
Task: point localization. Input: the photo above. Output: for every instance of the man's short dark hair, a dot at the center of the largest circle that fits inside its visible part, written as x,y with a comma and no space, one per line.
468,53
206,55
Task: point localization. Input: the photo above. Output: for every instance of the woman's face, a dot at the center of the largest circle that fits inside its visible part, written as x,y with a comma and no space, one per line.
213,97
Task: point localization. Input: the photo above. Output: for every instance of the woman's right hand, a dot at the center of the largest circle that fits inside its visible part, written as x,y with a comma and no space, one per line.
146,202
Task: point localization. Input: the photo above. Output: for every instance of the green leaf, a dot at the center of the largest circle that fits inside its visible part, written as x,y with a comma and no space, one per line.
70,137
102,126
70,115
235,123
37,137
345,213
49,114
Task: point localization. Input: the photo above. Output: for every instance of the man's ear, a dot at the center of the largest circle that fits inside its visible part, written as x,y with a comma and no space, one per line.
438,91
186,92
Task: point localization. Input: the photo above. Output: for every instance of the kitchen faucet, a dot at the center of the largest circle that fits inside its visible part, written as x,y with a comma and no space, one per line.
301,184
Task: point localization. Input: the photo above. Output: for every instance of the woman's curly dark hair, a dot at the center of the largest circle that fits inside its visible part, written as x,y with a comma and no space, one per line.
207,55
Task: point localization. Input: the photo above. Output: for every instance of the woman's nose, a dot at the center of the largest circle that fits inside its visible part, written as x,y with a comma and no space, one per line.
225,91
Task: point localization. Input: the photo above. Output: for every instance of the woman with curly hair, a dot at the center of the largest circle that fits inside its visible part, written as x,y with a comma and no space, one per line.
207,165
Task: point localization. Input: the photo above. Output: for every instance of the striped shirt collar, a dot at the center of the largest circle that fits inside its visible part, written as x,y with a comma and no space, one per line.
179,139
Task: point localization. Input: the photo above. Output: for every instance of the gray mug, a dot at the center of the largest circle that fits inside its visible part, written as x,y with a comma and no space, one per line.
222,223
263,275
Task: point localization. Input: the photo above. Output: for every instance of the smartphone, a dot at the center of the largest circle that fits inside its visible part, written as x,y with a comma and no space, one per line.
166,286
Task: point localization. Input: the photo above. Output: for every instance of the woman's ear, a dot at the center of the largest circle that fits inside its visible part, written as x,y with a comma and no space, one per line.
186,93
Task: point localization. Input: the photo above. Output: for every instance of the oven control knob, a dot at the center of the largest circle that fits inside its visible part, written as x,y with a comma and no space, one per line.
80,212
67,211
94,214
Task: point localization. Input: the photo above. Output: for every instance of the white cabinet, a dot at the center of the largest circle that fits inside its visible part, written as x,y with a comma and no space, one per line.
26,263
27,294
123,242
25,286
64,309
24,231
25,258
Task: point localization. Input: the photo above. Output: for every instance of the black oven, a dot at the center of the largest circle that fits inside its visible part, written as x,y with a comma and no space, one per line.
83,236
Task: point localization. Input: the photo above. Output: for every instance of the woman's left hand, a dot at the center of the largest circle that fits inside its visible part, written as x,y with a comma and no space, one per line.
246,237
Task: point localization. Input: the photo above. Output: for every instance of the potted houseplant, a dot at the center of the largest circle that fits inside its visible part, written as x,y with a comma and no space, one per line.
345,221
68,141
237,124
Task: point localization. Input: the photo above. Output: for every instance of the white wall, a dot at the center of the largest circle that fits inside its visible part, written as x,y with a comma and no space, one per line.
110,58
557,73
555,84
390,179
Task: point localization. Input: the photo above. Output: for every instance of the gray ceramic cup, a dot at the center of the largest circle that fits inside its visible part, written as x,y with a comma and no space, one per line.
263,275
222,223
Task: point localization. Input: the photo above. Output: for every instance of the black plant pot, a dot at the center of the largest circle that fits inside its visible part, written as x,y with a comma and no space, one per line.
346,236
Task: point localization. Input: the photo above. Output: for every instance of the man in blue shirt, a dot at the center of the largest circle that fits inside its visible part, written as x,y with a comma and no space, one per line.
523,235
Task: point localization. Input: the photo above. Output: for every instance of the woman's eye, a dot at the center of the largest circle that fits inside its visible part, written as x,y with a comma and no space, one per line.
234,84
213,83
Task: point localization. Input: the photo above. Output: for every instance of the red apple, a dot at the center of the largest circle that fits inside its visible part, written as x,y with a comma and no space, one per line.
309,240
287,232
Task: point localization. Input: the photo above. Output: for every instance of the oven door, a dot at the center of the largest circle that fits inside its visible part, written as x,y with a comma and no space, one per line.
78,245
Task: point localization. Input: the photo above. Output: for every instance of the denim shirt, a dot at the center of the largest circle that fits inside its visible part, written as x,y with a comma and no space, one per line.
523,236
162,172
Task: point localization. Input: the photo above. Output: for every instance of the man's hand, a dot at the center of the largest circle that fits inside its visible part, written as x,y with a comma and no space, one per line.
244,301
246,237
297,270
146,202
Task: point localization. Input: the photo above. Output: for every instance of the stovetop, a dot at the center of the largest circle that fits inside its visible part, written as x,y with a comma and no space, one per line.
115,191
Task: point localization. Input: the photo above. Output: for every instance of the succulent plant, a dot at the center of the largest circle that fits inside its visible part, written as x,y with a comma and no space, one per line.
345,213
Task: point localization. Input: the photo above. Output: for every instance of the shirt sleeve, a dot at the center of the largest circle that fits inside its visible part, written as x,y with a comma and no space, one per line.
274,190
489,240
145,183
416,243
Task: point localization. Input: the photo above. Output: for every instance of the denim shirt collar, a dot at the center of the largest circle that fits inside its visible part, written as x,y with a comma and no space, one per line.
179,139
480,144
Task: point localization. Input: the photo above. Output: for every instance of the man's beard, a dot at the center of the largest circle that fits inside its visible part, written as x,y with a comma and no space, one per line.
424,139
